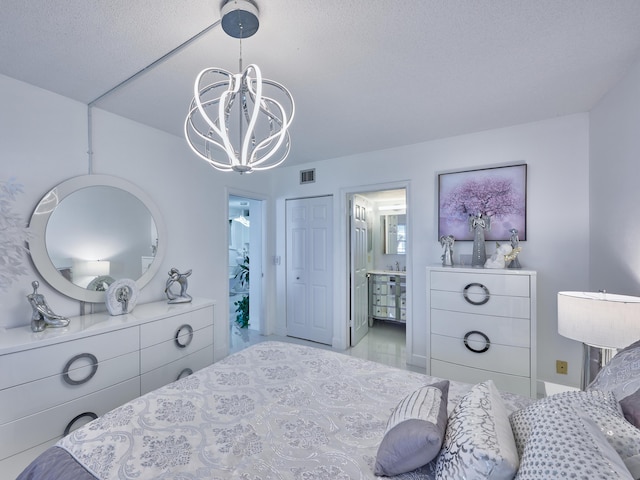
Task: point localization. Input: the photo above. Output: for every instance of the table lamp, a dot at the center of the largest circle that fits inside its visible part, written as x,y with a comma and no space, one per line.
603,322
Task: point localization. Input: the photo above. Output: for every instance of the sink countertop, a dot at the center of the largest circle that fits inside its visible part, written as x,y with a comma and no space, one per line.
387,272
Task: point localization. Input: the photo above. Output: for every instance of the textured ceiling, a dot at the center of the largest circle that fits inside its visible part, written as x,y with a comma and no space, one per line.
365,74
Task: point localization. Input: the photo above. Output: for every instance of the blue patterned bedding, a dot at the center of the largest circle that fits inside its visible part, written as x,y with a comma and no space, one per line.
273,411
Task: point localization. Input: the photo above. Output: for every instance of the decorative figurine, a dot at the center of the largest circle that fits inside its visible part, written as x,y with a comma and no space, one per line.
181,278
478,224
42,316
122,296
515,244
498,259
447,242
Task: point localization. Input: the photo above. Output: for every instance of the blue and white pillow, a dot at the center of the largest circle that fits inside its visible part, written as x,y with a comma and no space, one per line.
478,443
601,407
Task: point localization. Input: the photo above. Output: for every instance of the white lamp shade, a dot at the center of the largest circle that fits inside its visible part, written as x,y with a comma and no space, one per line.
599,319
92,268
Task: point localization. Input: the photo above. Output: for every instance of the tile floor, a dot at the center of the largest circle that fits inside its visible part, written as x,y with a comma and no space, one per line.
385,343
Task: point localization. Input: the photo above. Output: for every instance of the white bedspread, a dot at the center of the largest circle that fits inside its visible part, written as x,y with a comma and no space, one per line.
273,411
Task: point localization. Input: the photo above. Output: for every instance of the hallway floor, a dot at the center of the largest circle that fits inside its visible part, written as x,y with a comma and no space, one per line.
385,343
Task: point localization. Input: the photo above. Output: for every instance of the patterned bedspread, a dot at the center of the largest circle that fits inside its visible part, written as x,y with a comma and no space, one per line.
273,411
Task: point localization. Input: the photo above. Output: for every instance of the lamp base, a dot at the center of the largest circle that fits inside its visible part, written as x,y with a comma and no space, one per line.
594,358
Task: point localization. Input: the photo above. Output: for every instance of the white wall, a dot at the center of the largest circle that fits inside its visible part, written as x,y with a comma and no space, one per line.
557,245
615,189
43,141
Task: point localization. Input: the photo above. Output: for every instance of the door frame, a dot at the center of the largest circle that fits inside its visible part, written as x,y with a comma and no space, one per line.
343,254
230,191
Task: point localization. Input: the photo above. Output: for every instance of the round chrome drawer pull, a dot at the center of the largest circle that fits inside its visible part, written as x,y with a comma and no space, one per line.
184,373
465,292
189,329
94,369
90,415
487,342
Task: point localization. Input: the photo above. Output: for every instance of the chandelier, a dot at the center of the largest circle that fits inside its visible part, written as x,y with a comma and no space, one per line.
239,122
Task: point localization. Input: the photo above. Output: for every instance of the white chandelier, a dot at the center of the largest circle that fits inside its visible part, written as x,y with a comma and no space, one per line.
239,122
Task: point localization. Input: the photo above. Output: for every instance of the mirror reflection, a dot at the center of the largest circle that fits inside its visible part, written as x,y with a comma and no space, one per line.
395,234
99,234
92,230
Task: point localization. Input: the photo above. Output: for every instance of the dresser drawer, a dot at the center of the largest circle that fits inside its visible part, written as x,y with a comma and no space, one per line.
503,306
504,382
50,424
29,365
504,284
170,372
174,349
32,397
499,330
160,331
498,358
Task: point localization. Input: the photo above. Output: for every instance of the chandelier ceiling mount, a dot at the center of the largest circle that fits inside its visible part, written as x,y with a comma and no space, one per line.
239,122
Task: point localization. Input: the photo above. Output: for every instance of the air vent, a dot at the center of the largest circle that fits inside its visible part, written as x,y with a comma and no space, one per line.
307,176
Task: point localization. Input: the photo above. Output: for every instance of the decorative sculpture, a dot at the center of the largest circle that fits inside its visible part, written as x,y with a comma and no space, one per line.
498,259
447,242
42,315
478,223
122,296
515,244
181,279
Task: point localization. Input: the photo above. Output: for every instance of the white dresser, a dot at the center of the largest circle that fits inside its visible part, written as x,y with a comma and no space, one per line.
482,325
54,381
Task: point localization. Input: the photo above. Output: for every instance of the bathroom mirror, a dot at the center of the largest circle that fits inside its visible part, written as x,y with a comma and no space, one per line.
395,234
91,230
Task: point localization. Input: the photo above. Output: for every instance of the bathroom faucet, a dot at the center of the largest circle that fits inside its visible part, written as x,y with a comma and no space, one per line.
397,267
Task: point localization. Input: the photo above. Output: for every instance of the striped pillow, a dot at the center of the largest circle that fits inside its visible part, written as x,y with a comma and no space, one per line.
415,431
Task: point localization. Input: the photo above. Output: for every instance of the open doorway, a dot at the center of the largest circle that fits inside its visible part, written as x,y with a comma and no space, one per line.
378,247
245,270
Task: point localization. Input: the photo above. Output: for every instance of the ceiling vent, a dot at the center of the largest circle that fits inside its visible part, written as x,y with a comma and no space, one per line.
307,176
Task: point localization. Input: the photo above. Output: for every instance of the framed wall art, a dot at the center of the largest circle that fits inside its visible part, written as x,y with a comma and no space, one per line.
497,192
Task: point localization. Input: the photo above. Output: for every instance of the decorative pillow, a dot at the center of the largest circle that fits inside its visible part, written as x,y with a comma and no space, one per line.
478,442
622,374
631,408
415,431
601,407
569,445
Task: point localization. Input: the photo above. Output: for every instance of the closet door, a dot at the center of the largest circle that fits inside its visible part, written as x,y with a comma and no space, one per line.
310,268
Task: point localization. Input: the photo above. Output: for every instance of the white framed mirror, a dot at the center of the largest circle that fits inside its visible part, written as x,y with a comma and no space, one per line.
91,230
395,233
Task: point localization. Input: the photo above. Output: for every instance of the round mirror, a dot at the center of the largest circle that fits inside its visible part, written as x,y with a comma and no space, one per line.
92,230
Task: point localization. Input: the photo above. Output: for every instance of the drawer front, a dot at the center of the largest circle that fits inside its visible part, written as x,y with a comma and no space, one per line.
170,350
45,426
28,398
504,306
173,371
160,331
29,365
498,358
505,284
504,382
500,330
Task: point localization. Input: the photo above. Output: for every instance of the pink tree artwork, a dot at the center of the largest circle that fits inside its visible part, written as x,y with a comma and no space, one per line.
497,193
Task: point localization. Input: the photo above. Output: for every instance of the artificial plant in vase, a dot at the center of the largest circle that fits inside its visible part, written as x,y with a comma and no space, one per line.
242,305
242,311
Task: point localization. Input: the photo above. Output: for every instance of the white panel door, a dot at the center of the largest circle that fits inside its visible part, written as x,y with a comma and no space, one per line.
310,268
359,284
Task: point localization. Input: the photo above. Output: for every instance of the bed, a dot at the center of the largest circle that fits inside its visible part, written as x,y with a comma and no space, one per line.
284,411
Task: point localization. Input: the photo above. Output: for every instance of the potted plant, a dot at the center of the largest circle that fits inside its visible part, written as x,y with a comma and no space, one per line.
242,305
242,311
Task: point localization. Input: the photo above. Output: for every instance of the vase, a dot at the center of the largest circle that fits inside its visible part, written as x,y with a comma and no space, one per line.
479,255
